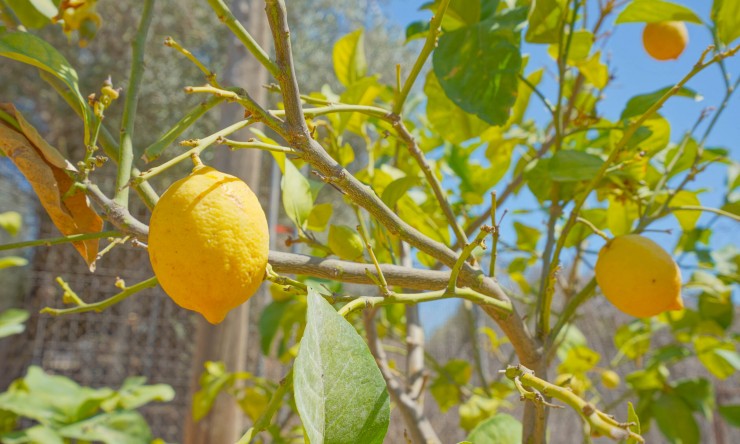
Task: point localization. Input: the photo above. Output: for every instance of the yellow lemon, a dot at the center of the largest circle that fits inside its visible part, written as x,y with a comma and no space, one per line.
208,242
665,40
638,276
610,379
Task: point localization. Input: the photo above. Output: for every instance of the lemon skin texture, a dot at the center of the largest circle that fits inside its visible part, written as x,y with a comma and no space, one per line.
638,276
208,242
665,40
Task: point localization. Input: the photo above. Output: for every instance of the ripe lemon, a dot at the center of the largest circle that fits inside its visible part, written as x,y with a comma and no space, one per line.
665,40
208,242
638,276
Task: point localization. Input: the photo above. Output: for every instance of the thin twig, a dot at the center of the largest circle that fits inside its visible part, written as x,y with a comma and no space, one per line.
126,153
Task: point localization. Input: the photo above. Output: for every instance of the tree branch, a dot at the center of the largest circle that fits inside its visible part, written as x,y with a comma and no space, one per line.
126,152
413,414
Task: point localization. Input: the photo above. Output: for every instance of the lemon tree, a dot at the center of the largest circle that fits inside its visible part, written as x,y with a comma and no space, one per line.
525,186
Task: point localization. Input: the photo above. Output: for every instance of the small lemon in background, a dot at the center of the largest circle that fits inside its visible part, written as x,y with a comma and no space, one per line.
209,242
665,40
638,276
610,379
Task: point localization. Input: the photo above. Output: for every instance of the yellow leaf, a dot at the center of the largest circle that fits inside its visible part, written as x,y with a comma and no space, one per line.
46,169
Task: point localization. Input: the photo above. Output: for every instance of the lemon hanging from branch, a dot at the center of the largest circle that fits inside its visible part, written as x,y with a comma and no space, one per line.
208,242
665,40
638,276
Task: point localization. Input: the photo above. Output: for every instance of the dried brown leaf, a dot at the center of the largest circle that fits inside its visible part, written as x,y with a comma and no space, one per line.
46,169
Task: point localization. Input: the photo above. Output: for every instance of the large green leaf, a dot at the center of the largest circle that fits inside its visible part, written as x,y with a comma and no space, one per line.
478,66
12,321
573,166
27,48
339,392
675,420
349,59
297,197
500,429
52,400
637,105
545,19
121,427
656,11
726,17
33,13
449,120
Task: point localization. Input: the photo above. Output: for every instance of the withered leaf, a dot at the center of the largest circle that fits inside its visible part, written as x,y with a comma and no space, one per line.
45,168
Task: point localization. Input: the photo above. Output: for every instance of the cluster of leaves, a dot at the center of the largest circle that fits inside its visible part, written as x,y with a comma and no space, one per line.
61,410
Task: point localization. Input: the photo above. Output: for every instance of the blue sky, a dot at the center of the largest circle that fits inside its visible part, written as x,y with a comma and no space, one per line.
636,73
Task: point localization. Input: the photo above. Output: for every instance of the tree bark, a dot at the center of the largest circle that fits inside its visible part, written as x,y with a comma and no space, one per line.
229,341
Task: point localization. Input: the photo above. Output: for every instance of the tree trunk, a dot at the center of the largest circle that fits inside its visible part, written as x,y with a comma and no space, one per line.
229,341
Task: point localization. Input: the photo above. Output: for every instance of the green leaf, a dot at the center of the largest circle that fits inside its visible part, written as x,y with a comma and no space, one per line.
637,105
698,393
632,417
297,197
650,379
579,359
719,357
649,11
449,120
726,17
12,321
52,400
350,64
675,420
633,339
573,166
12,261
526,236
446,386
397,189
621,215
545,18
568,338
319,216
134,393
33,13
362,92
522,97
500,429
478,66
345,242
595,71
27,48
340,394
11,221
270,323
580,47
212,382
731,413
687,219
416,30
121,427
